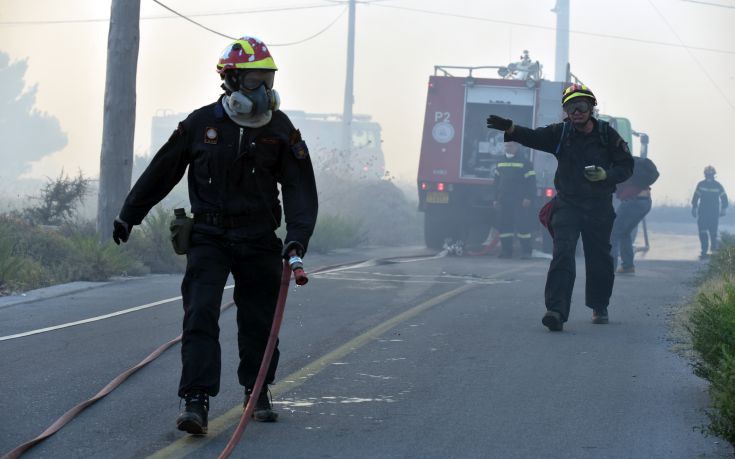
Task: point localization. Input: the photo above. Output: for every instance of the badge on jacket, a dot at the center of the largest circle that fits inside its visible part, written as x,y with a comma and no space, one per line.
298,146
211,135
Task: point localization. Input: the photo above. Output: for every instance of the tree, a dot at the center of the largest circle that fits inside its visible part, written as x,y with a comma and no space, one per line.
26,134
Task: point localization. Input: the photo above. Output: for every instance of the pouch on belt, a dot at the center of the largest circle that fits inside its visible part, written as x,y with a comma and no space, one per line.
180,228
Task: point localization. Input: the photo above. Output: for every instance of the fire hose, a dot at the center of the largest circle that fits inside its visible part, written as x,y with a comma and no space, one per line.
295,265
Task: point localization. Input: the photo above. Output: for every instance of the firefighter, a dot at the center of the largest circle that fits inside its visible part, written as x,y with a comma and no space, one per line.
708,205
593,158
515,185
237,150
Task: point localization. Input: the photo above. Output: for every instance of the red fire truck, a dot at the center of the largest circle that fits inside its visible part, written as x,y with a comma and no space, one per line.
459,153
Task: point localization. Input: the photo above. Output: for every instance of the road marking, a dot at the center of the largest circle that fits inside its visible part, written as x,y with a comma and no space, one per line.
95,319
169,300
185,445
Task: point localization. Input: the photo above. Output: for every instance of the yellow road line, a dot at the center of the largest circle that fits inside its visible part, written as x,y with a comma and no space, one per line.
186,445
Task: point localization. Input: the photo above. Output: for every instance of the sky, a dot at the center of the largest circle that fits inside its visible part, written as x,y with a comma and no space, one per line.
683,97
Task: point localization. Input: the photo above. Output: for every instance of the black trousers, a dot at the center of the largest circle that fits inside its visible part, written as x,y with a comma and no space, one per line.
707,224
256,266
594,222
514,220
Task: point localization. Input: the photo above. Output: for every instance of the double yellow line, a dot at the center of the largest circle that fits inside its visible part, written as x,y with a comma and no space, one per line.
186,445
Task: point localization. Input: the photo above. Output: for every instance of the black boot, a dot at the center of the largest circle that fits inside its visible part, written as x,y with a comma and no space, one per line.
263,411
506,247
194,417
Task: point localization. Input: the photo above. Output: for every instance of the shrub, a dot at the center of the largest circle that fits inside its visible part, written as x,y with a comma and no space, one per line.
59,200
713,329
150,243
722,394
335,232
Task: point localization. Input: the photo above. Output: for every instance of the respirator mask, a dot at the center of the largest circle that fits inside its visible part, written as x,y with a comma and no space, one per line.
251,93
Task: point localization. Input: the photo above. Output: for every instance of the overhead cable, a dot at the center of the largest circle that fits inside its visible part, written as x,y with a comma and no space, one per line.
551,28
691,54
235,38
153,18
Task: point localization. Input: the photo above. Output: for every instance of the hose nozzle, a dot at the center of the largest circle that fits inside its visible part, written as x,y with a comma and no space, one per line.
297,266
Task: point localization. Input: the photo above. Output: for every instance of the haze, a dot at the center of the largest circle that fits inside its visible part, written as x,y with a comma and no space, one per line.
683,98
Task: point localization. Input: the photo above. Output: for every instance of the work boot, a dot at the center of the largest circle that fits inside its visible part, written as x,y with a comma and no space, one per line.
553,321
194,417
622,270
599,316
263,411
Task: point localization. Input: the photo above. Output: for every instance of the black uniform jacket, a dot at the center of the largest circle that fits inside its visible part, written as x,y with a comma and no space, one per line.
710,197
574,152
515,180
233,171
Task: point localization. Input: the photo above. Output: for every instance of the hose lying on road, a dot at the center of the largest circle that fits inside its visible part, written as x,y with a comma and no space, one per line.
264,364
112,385
115,383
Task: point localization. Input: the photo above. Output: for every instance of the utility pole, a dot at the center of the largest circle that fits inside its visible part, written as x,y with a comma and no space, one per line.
562,40
349,96
118,129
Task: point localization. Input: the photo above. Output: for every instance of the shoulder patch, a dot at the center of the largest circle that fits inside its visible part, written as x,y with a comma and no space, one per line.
297,144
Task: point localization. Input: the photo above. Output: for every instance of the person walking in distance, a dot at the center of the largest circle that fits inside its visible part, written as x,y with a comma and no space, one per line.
515,185
635,203
709,203
237,150
593,159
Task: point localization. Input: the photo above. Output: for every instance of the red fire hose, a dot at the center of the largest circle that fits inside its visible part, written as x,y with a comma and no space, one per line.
297,266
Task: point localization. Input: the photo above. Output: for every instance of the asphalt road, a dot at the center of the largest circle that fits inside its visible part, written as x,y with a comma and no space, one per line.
429,358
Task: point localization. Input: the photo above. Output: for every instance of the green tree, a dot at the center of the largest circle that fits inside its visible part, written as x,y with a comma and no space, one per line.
26,134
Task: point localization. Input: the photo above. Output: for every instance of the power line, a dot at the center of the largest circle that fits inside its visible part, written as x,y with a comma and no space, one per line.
710,4
535,26
344,10
694,58
153,18
193,21
235,38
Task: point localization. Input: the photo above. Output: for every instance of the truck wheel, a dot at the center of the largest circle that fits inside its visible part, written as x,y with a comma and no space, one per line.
436,228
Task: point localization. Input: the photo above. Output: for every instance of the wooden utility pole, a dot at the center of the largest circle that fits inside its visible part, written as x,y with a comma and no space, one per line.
349,96
116,159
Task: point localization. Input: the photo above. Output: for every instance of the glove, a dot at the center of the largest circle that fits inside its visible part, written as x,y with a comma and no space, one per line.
596,175
694,212
293,245
120,231
501,124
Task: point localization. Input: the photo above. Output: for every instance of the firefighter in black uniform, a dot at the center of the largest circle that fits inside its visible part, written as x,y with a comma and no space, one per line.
515,185
708,205
237,150
593,158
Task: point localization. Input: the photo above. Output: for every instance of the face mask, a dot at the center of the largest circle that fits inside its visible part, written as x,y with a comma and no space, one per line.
510,155
256,102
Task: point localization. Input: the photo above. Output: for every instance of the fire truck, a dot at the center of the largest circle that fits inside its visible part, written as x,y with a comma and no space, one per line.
459,153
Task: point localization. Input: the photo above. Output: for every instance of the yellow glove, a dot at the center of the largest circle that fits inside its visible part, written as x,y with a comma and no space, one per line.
595,175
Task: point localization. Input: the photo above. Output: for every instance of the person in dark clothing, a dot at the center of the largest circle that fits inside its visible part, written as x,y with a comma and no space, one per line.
515,185
593,159
708,205
237,151
635,203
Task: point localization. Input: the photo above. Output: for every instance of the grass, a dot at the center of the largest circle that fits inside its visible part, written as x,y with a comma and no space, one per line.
710,323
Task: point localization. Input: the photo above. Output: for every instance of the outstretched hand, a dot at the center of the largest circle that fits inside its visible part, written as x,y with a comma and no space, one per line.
501,124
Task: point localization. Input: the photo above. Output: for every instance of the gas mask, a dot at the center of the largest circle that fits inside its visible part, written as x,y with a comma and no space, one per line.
254,102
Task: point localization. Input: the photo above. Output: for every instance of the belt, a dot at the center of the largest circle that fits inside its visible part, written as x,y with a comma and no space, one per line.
228,221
